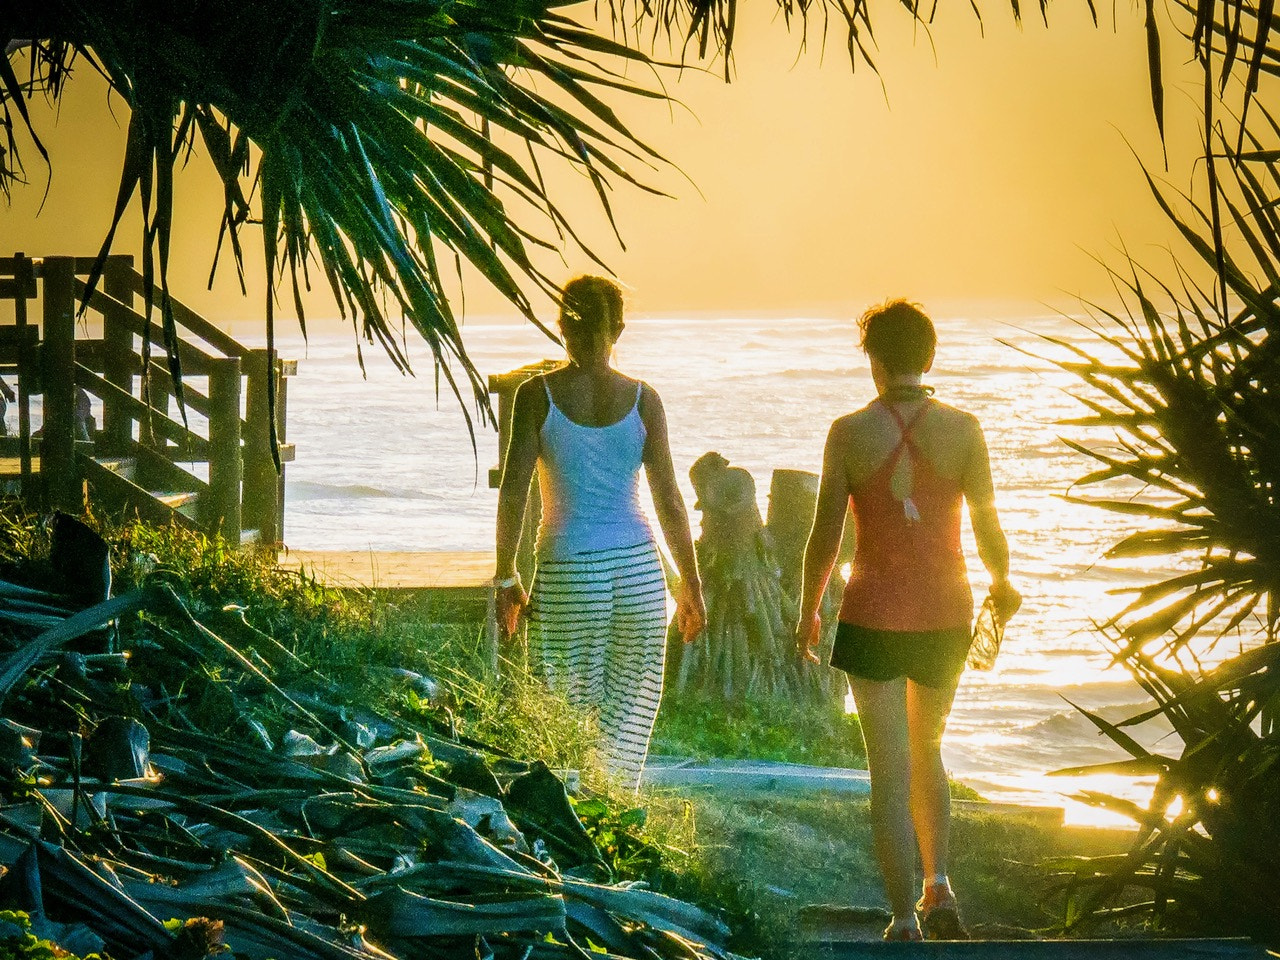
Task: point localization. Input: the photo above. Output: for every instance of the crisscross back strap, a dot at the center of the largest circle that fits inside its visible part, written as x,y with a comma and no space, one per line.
905,427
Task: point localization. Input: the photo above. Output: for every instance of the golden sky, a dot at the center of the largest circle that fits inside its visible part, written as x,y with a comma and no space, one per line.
977,174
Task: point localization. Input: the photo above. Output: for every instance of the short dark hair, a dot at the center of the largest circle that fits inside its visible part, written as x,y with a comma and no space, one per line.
900,335
591,303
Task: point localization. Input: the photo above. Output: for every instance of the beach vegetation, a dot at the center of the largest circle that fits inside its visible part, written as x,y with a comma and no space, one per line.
383,144
1188,386
260,731
18,942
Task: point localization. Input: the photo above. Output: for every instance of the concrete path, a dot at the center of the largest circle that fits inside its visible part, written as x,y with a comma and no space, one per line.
762,775
753,775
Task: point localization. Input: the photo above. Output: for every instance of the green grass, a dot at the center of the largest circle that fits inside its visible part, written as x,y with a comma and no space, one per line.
788,852
759,730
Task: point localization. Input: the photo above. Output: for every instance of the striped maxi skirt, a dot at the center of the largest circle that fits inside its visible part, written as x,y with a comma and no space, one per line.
597,632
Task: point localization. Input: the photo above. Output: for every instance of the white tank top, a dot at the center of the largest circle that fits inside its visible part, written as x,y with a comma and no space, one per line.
590,483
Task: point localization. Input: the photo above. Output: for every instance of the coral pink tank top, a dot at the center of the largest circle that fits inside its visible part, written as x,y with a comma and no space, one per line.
908,571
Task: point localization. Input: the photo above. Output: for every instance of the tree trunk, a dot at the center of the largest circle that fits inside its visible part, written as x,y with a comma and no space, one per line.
747,650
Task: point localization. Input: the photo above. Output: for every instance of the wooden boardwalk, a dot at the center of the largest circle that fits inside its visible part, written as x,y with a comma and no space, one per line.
388,570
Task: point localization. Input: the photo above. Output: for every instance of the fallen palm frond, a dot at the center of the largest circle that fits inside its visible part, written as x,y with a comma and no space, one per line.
348,832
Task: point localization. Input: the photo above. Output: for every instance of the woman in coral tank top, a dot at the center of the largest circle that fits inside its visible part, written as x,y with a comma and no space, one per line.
905,464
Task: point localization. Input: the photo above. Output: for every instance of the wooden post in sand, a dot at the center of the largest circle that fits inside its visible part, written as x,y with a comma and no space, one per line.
747,650
793,498
793,494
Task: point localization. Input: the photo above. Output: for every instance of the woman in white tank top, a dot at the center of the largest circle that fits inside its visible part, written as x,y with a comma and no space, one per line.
597,609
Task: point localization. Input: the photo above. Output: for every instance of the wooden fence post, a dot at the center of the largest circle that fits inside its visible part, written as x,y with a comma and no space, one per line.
282,405
261,502
225,465
118,358
62,487
25,278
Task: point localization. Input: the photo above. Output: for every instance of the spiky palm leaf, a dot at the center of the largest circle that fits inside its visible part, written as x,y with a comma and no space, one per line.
369,122
1194,403
1208,860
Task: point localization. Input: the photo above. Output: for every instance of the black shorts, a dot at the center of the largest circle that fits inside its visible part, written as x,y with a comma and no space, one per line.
934,658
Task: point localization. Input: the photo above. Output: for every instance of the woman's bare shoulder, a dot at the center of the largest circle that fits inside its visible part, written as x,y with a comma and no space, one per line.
853,423
532,393
955,417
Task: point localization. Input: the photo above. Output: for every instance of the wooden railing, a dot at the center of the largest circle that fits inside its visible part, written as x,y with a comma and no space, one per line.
243,488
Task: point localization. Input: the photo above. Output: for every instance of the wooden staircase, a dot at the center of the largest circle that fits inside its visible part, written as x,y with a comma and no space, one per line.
210,470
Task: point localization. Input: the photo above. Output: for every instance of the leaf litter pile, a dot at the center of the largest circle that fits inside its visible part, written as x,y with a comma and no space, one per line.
351,834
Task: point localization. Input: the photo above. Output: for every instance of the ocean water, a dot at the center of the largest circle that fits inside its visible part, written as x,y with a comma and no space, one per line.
384,462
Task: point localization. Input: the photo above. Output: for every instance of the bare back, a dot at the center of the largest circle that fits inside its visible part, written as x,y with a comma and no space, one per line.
948,439
592,400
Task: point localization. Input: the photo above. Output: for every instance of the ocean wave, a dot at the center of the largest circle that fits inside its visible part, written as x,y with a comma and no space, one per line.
300,490
800,373
1073,726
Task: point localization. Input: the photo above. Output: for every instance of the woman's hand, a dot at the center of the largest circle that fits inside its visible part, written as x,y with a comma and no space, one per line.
1007,599
691,613
510,603
808,632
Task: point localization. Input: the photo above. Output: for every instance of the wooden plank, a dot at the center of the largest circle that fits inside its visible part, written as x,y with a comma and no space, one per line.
118,361
11,288
184,316
28,373
192,397
190,445
123,496
221,510
81,265
394,570
11,467
20,284
260,504
62,489
155,471
193,359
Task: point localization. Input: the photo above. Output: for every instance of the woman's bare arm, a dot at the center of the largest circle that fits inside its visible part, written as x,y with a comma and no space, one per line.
993,547
530,409
672,517
824,537
517,470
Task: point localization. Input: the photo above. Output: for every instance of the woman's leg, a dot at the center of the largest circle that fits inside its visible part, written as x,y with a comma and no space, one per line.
882,712
570,610
927,711
634,660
